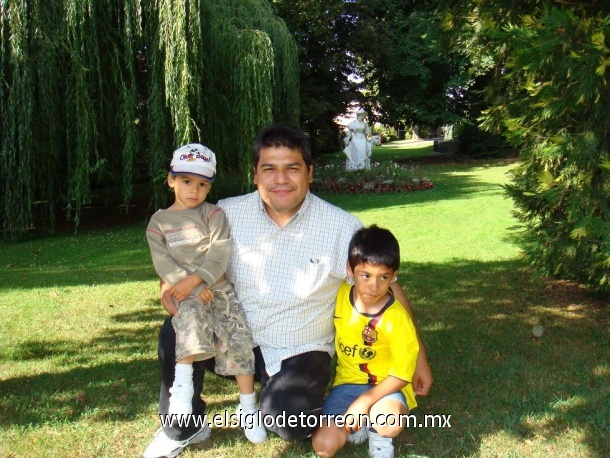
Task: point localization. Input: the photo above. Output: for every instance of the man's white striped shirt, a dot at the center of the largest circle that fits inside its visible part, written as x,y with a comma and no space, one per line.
286,278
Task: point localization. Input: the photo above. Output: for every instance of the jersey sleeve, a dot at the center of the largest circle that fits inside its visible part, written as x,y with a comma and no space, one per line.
403,346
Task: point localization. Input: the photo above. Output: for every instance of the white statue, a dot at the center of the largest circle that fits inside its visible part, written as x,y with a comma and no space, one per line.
358,147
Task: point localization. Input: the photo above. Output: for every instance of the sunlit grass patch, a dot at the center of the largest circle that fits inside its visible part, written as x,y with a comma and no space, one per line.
79,374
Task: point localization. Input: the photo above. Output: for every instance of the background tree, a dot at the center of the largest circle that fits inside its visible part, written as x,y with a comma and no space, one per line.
549,96
321,30
409,78
96,95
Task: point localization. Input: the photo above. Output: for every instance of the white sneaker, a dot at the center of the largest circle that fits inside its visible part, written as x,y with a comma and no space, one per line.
181,399
254,431
163,446
359,437
380,447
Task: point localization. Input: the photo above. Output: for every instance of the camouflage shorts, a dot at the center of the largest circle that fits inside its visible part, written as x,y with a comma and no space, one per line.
215,330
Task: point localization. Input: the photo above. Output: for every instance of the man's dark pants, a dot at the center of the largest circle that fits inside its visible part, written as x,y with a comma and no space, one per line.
286,398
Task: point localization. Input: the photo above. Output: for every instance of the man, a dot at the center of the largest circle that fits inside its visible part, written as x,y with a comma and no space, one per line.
288,259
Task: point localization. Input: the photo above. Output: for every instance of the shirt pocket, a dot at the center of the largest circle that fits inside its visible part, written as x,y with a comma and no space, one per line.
312,277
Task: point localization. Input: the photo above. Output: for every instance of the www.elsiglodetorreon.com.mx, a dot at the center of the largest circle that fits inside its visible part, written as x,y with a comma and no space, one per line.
232,420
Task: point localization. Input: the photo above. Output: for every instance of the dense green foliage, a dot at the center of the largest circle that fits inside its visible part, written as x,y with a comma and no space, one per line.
321,30
96,95
408,76
549,96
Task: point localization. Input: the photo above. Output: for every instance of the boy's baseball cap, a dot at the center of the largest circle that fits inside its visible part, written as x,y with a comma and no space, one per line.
195,159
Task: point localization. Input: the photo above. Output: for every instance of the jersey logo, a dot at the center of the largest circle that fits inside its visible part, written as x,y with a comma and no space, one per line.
367,353
369,335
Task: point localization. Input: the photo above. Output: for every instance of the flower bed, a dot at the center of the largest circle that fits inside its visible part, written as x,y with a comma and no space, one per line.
382,177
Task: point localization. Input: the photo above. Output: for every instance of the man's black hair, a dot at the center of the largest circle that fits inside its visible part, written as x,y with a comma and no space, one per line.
278,135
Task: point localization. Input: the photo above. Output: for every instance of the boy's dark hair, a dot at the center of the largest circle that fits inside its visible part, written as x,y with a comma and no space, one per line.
278,135
374,245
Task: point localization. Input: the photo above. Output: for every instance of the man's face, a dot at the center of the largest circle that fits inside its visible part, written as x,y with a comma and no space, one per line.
283,180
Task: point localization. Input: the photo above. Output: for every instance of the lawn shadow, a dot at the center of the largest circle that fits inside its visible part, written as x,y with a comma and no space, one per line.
492,375
111,377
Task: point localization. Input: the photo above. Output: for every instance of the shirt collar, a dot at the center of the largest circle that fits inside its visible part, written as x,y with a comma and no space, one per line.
301,211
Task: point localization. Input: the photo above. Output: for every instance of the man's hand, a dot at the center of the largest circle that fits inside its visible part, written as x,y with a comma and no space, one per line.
167,300
422,377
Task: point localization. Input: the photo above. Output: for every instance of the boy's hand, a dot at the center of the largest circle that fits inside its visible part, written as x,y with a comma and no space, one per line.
357,410
422,378
184,288
206,295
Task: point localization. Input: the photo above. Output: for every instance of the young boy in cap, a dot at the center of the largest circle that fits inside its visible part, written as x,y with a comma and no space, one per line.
190,244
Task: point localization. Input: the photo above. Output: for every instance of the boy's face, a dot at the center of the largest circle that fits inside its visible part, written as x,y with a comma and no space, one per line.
190,190
371,283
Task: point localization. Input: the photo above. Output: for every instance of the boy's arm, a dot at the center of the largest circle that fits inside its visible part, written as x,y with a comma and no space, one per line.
182,289
167,268
422,377
165,265
166,299
219,248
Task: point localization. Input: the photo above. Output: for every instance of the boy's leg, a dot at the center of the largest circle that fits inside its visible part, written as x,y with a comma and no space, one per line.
386,415
248,412
328,439
194,341
234,357
233,341
167,359
334,433
193,331
386,423
296,392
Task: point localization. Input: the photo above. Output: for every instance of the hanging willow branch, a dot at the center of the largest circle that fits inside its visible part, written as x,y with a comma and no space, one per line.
131,31
17,152
50,115
97,95
247,45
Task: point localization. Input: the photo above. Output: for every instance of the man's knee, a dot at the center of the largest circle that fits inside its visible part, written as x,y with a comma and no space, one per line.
291,400
167,335
290,427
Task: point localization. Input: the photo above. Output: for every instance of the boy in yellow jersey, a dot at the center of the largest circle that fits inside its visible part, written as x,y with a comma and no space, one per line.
377,349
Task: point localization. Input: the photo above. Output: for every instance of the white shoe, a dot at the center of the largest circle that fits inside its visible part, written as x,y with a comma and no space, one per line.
359,437
163,446
181,399
254,431
380,447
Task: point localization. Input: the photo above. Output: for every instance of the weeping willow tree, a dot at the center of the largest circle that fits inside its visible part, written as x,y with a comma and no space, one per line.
228,68
98,95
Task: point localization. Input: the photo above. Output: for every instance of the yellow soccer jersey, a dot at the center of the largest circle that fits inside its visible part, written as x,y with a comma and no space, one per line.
371,347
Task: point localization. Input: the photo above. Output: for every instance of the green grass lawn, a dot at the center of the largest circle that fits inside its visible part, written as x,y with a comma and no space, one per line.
78,370
401,149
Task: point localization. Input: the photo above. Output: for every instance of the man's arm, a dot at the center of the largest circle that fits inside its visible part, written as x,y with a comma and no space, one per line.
167,300
422,378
